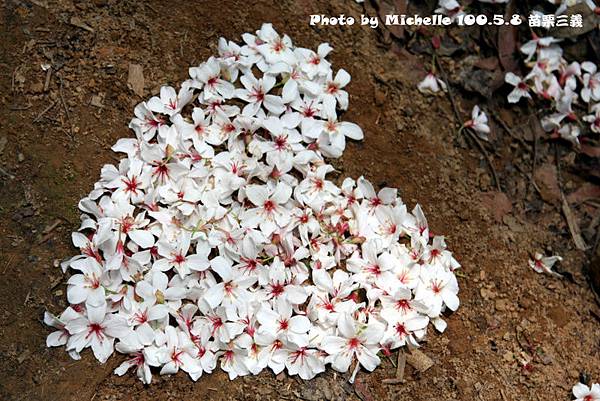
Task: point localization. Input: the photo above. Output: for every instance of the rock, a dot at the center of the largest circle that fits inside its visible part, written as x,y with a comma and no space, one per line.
97,101
547,181
379,97
36,87
501,305
558,315
496,203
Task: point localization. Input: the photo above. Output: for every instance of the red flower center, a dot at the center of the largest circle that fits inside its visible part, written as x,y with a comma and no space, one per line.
283,324
276,289
269,206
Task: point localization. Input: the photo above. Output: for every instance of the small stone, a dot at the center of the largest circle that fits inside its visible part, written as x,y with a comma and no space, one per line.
379,97
501,305
97,101
20,157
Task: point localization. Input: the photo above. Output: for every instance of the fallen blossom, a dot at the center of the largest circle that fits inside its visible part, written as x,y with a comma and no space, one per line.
431,84
543,264
478,123
581,392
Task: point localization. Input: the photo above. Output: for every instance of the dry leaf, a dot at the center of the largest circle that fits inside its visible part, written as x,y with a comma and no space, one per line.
585,192
419,360
547,181
135,80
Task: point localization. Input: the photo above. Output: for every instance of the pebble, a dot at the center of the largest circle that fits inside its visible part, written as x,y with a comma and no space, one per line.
501,305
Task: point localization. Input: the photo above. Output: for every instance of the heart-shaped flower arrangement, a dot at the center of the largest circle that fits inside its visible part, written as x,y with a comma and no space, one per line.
219,239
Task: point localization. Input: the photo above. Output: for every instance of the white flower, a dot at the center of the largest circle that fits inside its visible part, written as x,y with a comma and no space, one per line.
585,393
543,264
232,290
594,119
478,122
176,351
86,287
591,82
449,7
256,91
438,287
170,102
59,337
537,44
431,84
279,323
97,330
355,340
521,89
333,94
304,362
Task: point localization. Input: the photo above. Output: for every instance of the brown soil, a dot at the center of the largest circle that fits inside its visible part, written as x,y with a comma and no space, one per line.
508,313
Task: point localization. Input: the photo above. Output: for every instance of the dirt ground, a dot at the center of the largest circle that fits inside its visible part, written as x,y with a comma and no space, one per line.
508,315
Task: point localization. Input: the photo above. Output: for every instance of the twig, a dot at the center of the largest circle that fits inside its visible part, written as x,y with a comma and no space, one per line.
47,82
6,173
48,231
572,223
526,175
487,157
19,108
448,91
535,150
45,111
62,98
510,131
458,120
8,262
566,209
399,370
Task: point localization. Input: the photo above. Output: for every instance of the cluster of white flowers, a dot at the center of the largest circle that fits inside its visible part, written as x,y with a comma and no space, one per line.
220,238
561,83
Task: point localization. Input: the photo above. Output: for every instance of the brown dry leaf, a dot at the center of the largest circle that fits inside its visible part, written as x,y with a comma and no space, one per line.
507,42
388,7
590,22
497,203
573,225
591,151
585,192
135,80
419,360
489,63
546,179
